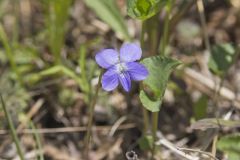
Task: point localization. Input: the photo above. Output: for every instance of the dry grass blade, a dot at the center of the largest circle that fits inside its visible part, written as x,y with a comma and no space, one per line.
200,152
207,86
214,123
69,129
163,141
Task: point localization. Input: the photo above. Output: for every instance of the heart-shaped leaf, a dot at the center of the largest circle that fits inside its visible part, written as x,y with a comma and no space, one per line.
159,69
221,59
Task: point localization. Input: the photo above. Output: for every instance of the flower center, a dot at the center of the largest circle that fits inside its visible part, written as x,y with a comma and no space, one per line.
121,67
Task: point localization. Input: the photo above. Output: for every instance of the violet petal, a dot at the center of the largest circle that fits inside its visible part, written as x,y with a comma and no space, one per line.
137,71
106,58
130,52
125,81
110,79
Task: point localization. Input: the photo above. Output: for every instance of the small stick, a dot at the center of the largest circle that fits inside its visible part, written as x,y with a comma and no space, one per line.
116,125
68,129
34,109
163,141
199,151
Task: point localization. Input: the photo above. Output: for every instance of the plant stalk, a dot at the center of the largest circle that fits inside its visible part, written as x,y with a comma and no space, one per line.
145,112
91,112
201,11
12,129
214,146
38,141
154,131
165,38
146,120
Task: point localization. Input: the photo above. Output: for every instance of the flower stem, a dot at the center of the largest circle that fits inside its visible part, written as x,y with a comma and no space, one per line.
12,129
145,112
90,121
146,120
154,131
142,34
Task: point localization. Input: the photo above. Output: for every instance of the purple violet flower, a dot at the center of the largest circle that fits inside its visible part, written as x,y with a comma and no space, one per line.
121,67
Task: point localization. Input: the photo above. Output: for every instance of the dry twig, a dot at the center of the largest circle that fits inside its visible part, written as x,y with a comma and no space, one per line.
68,129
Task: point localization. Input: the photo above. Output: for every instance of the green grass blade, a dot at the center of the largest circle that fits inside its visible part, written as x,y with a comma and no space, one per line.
108,11
84,77
9,52
38,141
56,21
12,129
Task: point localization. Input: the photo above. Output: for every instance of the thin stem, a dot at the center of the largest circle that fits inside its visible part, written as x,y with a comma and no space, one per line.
154,131
38,141
12,129
215,101
152,28
201,11
166,28
146,120
145,112
91,111
142,34
214,146
200,7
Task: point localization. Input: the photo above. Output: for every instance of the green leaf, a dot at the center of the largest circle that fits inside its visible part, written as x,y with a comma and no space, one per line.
159,69
200,107
230,144
214,123
151,105
144,9
146,142
222,58
108,11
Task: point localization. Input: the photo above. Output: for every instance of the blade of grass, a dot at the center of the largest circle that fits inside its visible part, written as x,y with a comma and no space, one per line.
56,20
16,21
84,79
38,141
9,52
61,69
12,129
108,11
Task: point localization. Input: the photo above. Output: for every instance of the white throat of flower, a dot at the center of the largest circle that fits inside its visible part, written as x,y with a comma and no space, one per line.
121,67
